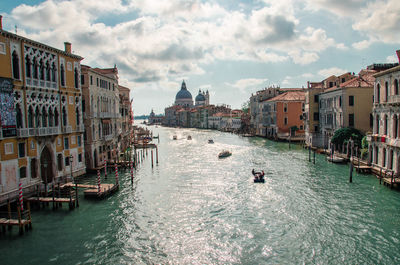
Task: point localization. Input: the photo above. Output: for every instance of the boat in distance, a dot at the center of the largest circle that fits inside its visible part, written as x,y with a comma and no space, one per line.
210,141
224,153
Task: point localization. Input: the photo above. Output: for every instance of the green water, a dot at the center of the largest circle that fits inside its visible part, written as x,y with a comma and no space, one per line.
193,208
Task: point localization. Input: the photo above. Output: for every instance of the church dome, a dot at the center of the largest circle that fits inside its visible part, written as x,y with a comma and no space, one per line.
183,93
200,97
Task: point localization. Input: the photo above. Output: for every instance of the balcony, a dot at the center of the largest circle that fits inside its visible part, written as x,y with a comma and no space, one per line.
80,128
22,132
49,131
66,129
108,137
395,99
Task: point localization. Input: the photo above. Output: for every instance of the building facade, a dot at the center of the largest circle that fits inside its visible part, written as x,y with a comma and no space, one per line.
41,138
102,117
384,143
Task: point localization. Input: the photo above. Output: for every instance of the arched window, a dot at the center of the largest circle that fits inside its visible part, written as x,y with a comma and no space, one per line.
41,70
18,116
56,117
37,117
15,65
44,117
377,124
53,72
51,118
376,155
76,78
77,116
35,68
48,71
30,117
396,87
64,117
395,124
386,91
62,75
28,66
385,125
378,93
384,157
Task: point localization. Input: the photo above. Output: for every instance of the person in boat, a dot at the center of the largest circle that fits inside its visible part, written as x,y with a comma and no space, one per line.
262,175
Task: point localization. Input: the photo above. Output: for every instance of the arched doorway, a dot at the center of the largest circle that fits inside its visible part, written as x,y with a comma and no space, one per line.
46,166
95,158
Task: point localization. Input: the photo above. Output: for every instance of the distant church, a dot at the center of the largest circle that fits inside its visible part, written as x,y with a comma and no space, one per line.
184,98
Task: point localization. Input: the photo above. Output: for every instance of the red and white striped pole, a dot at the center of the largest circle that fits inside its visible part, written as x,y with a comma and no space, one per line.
21,198
105,168
98,181
116,174
132,172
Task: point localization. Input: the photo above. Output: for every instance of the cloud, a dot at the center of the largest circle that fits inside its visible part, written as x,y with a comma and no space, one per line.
361,45
331,71
243,84
303,58
392,59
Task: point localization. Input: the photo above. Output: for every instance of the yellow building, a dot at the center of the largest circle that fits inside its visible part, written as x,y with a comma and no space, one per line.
41,134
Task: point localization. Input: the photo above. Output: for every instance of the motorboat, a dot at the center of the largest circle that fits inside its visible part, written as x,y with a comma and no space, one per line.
210,141
174,137
189,137
336,159
224,153
259,180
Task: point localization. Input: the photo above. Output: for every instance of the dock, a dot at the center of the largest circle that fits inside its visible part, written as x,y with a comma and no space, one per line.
20,221
105,190
56,201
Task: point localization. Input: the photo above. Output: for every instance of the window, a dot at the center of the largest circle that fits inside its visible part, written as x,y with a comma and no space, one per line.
396,87
285,121
82,79
97,80
316,128
22,172
343,79
21,149
351,100
301,127
41,70
59,162
79,140
79,157
53,72
76,78
371,120
83,105
330,84
378,93
62,77
66,161
285,107
18,116
315,98
91,80
316,116
340,101
15,65
48,68
64,116
301,117
33,168
28,67
66,143
386,91
9,148
35,68
351,120
78,120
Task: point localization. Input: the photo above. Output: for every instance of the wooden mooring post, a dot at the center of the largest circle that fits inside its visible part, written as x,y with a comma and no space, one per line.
380,176
314,158
309,154
351,173
76,195
156,154
152,165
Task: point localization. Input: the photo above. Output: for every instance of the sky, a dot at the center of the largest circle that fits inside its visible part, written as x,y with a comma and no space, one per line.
230,48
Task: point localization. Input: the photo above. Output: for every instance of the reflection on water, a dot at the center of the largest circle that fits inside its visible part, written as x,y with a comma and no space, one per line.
193,208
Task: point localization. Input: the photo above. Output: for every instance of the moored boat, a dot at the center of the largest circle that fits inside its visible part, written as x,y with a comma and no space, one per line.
189,137
174,137
210,141
224,153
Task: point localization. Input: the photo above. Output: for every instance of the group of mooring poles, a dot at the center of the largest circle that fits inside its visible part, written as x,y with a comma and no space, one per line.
141,154
309,155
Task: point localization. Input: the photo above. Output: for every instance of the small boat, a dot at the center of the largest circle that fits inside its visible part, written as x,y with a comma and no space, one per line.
259,180
174,137
224,153
336,159
211,141
189,137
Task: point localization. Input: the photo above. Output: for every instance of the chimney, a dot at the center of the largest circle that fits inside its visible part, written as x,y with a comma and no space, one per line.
398,55
67,46
1,22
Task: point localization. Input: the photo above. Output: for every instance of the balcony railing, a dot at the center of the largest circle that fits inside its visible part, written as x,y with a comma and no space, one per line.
66,129
22,132
108,137
394,99
80,128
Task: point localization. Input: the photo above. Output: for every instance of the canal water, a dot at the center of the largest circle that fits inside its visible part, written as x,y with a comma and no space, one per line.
193,208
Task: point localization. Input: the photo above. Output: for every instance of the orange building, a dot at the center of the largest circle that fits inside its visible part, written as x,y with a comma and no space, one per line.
41,134
285,115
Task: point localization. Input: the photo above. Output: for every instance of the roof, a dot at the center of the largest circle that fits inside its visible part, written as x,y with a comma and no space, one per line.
290,96
39,44
388,71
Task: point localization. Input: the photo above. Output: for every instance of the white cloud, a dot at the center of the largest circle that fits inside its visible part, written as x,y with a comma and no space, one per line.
331,71
307,75
303,58
247,83
392,59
